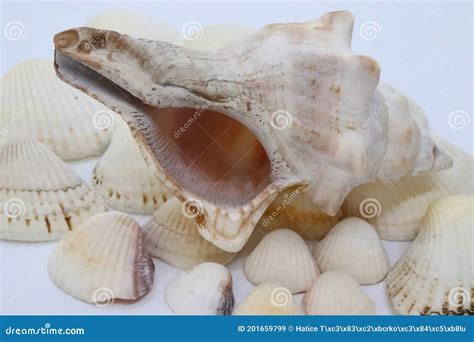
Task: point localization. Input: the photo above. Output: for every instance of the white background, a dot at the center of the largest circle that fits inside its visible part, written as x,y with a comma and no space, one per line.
424,49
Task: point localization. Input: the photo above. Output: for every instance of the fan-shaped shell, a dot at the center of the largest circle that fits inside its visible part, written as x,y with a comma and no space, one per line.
103,260
205,289
123,177
436,274
269,299
337,293
175,239
354,247
396,210
37,105
41,198
282,257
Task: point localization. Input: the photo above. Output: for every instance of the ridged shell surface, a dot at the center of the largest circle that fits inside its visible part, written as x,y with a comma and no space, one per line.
282,257
205,289
105,259
354,247
436,274
36,104
41,198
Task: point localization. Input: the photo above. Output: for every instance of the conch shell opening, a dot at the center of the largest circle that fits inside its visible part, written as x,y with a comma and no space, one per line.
229,130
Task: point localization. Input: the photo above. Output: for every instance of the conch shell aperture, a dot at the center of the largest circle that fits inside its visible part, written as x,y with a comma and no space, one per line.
229,130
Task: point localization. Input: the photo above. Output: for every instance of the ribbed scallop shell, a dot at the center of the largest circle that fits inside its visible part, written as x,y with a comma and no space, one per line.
41,198
36,104
436,274
296,210
175,239
123,177
269,299
103,260
214,37
205,289
354,247
134,24
337,293
282,257
396,210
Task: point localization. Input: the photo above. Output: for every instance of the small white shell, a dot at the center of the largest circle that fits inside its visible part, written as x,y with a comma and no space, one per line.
354,247
41,198
37,105
134,24
123,178
175,239
436,274
269,299
337,293
282,257
103,260
206,289
396,210
297,211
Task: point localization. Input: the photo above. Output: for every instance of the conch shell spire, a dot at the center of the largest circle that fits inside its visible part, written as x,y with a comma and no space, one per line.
229,130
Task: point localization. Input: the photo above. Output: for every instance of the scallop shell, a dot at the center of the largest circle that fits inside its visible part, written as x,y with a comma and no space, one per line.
436,274
269,299
206,289
134,24
37,105
337,293
396,210
296,210
103,260
230,129
354,247
282,257
123,177
174,238
41,198
214,37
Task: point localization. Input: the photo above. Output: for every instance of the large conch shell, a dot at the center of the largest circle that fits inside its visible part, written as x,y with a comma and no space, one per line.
435,276
230,129
396,210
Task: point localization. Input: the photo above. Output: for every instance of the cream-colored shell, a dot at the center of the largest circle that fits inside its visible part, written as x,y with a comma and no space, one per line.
436,274
297,211
175,239
333,129
214,37
396,210
269,299
35,104
123,178
41,198
282,257
134,24
337,293
206,289
354,247
103,260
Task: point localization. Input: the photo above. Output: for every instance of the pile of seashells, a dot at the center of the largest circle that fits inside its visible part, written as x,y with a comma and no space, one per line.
311,146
